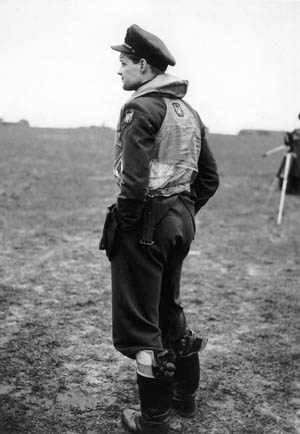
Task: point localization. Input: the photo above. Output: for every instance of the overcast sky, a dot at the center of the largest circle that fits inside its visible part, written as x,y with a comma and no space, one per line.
242,59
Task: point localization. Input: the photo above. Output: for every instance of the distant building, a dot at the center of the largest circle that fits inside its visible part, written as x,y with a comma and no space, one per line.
258,132
22,123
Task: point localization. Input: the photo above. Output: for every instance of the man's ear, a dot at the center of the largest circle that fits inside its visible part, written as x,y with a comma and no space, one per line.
143,65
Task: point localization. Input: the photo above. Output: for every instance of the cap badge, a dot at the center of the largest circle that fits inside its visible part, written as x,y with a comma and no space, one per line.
129,47
178,109
128,116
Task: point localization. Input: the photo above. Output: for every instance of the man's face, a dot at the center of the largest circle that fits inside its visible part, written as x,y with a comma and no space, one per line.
130,73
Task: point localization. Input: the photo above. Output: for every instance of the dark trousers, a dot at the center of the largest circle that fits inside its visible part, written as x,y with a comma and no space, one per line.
146,281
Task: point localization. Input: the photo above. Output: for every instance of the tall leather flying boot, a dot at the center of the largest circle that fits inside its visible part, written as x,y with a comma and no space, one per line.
156,399
187,374
187,377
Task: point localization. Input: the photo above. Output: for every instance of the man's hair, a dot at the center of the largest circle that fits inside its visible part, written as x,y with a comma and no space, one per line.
135,59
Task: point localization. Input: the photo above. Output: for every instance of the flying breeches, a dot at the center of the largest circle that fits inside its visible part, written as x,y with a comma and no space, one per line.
147,310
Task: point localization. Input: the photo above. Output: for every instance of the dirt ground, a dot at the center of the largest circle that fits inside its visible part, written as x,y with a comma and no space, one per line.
59,372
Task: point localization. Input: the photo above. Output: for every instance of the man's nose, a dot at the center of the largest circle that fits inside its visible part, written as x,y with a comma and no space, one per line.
119,72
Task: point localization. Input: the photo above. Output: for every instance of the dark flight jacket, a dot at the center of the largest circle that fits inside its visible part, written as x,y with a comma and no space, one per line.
143,119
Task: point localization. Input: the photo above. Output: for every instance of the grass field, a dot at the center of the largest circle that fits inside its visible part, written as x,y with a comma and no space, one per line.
59,372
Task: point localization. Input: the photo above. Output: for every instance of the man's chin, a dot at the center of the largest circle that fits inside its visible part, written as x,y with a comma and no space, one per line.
127,87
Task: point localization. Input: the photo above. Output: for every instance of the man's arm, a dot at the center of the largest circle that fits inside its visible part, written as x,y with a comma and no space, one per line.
141,119
207,179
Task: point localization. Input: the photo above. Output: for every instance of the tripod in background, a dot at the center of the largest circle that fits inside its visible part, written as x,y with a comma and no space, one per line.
288,162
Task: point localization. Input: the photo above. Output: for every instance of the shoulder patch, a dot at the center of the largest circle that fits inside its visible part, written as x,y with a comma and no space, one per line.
128,116
178,109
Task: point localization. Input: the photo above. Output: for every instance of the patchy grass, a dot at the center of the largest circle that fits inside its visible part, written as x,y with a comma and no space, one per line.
240,286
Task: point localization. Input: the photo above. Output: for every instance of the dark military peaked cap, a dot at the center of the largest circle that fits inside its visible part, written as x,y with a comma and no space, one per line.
146,45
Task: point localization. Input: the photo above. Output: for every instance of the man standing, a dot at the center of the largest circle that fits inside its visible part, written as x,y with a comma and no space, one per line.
292,141
166,173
